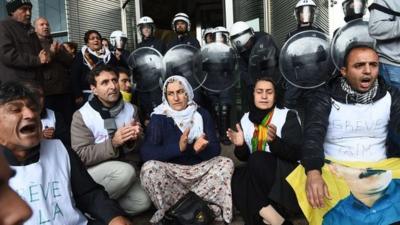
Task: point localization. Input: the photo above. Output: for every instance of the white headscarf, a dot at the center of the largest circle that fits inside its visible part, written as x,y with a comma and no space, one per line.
103,54
187,118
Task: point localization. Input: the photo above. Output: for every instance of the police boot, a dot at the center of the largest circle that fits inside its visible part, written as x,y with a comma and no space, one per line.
215,113
224,124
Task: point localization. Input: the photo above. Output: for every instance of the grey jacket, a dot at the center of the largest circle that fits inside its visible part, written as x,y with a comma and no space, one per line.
83,142
385,28
19,52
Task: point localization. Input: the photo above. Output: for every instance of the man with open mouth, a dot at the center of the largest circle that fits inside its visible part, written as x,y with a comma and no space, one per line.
50,178
352,118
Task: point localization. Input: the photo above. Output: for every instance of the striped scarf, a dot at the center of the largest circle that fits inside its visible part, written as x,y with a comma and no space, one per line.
361,98
259,139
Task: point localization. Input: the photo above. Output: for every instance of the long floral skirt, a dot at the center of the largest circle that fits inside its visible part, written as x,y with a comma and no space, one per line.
166,183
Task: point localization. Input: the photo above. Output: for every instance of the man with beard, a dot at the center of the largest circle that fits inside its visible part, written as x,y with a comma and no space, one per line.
56,77
21,55
104,130
49,177
181,25
334,128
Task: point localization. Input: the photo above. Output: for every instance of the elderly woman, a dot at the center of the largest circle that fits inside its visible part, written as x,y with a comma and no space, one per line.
91,55
181,153
269,139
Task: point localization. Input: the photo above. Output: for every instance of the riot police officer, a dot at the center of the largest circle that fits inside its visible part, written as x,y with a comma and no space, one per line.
181,26
304,12
353,9
118,40
147,29
244,39
207,35
222,100
147,99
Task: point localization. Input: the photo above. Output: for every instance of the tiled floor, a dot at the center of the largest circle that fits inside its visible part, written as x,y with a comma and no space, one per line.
226,151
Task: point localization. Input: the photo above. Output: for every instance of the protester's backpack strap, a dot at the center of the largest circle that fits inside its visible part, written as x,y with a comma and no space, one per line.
383,9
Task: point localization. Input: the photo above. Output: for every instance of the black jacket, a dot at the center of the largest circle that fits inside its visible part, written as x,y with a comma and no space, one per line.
19,52
286,147
184,39
153,42
245,57
56,76
89,196
317,117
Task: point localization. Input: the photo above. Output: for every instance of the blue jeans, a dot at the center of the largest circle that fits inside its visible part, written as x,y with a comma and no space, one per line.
391,74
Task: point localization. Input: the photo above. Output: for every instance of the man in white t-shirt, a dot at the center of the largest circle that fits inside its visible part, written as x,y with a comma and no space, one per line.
50,178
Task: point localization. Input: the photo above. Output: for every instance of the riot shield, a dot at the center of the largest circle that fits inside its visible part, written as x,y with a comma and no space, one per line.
263,60
353,33
304,60
184,60
219,67
147,68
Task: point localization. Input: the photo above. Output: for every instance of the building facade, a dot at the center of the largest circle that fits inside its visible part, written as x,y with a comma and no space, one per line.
70,19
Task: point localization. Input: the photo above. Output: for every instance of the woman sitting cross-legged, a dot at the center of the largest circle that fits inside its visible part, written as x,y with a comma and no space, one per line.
181,153
269,139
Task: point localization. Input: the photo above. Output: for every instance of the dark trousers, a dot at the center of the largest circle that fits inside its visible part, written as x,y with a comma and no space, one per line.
62,103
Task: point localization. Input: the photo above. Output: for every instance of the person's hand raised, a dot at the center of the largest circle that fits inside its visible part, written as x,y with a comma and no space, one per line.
237,138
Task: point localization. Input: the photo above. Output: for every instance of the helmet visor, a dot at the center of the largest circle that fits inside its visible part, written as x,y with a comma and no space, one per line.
305,14
146,29
353,7
240,40
220,37
120,42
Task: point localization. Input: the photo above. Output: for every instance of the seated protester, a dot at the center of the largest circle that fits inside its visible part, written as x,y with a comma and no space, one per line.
181,153
91,55
125,84
53,125
269,139
348,124
105,131
13,210
46,166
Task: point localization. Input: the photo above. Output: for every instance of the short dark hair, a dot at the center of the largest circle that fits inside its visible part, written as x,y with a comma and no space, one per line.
13,90
351,47
121,69
95,72
88,33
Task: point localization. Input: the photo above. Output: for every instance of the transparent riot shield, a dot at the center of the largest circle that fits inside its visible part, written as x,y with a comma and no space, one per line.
353,33
219,67
304,60
184,60
147,68
263,60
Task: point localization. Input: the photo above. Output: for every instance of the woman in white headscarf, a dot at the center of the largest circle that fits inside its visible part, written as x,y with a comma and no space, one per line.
181,151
